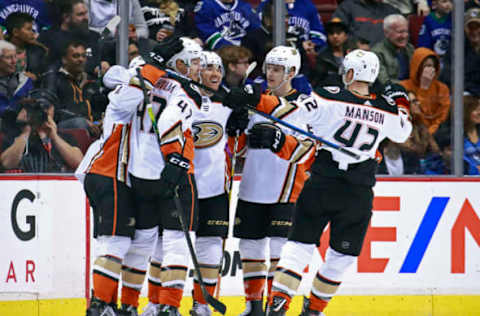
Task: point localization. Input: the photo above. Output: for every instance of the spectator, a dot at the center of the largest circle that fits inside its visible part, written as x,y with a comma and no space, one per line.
73,109
74,25
407,7
436,29
224,22
434,96
394,51
34,144
471,143
132,51
42,12
162,17
471,58
236,60
355,42
304,25
364,18
20,33
13,85
102,11
330,58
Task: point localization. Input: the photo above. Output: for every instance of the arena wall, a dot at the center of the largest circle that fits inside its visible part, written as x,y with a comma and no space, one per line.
421,255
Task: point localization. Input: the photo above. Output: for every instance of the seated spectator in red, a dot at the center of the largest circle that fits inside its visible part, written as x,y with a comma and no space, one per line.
224,22
434,96
74,25
364,18
73,110
32,144
13,85
394,51
330,58
20,33
436,29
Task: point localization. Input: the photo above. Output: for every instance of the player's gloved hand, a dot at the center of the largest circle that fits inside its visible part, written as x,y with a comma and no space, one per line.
173,174
397,94
165,50
237,98
266,135
237,122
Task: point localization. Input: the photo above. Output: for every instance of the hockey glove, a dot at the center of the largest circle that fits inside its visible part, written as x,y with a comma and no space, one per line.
237,122
397,94
237,98
266,135
162,52
173,174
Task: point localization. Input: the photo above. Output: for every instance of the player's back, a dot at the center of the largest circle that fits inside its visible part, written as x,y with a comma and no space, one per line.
267,178
172,105
358,123
109,155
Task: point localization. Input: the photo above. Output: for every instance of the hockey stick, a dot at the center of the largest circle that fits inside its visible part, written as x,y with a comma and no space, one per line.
216,304
272,118
108,31
249,70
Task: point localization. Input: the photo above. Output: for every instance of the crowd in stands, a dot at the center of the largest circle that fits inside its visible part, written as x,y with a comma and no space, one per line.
52,58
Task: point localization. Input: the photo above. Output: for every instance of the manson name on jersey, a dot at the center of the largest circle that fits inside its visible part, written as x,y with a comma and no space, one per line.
364,113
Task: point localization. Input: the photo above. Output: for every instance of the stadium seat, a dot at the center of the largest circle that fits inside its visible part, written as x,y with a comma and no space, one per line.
414,25
81,135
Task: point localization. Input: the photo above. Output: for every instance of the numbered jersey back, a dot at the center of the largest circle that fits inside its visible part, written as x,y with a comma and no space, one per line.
359,123
172,106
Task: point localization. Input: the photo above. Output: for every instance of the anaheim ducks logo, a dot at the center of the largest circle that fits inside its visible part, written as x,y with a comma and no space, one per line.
206,134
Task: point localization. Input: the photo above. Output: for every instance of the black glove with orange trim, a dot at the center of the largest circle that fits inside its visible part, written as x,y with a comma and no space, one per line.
266,135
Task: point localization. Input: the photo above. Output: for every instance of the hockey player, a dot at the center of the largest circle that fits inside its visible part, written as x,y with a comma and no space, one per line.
270,185
169,256
103,172
339,191
209,126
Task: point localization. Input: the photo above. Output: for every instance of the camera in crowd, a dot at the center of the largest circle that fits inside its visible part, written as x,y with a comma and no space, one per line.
37,105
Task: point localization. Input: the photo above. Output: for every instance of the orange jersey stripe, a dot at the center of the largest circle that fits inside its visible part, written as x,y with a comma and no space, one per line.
108,161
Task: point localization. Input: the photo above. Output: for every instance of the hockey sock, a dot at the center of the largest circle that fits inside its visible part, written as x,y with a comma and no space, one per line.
254,274
106,273
170,296
209,275
154,281
271,272
283,295
132,281
322,291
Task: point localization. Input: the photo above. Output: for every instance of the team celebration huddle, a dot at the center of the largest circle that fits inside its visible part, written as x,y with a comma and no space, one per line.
159,179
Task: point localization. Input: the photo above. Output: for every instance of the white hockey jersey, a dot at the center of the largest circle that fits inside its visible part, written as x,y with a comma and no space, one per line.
209,124
109,155
173,108
351,121
267,178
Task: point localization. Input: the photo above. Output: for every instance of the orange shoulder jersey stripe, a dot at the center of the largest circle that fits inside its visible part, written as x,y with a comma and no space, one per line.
112,159
187,151
152,74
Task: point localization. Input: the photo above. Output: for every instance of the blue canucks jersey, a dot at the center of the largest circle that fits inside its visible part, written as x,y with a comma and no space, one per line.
304,22
436,33
221,24
38,9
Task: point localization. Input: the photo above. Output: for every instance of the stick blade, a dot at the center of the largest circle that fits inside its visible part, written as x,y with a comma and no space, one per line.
111,26
216,304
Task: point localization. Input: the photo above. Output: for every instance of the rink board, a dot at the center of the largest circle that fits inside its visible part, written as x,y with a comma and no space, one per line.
421,255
